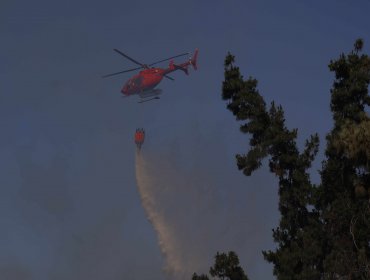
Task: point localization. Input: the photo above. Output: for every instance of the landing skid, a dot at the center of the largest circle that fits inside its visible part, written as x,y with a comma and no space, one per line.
145,100
150,93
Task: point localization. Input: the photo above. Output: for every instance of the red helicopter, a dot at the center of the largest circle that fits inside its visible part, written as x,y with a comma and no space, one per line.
143,83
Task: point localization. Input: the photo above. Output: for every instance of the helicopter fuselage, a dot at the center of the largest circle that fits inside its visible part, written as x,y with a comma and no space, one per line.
145,80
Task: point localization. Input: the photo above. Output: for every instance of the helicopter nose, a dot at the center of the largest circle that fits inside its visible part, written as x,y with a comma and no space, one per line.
124,91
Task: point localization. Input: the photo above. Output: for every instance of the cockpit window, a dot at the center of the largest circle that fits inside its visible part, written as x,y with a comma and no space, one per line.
133,82
137,81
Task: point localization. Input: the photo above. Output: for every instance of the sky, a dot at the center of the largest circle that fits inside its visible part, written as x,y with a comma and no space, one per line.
71,206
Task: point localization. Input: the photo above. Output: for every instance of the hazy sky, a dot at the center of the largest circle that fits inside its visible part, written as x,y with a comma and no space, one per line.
69,203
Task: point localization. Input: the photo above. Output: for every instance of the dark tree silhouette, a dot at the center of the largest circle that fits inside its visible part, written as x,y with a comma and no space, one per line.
226,267
324,231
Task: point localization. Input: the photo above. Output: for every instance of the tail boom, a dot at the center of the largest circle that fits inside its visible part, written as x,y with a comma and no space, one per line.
184,66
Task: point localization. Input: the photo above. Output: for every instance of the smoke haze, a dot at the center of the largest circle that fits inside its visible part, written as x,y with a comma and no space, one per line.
69,202
192,213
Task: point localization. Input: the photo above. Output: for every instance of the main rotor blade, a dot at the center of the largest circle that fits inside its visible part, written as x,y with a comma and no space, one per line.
168,77
168,58
129,58
113,74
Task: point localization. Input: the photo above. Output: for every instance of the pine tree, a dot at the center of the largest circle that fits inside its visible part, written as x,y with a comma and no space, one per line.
345,190
299,251
226,267
324,231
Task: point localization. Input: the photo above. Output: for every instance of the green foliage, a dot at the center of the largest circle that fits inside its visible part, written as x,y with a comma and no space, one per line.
226,267
199,277
353,141
324,231
345,190
271,138
349,94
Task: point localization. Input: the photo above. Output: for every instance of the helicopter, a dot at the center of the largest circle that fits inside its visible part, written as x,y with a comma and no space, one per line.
146,80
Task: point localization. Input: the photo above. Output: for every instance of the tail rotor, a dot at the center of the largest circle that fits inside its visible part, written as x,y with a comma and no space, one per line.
193,60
